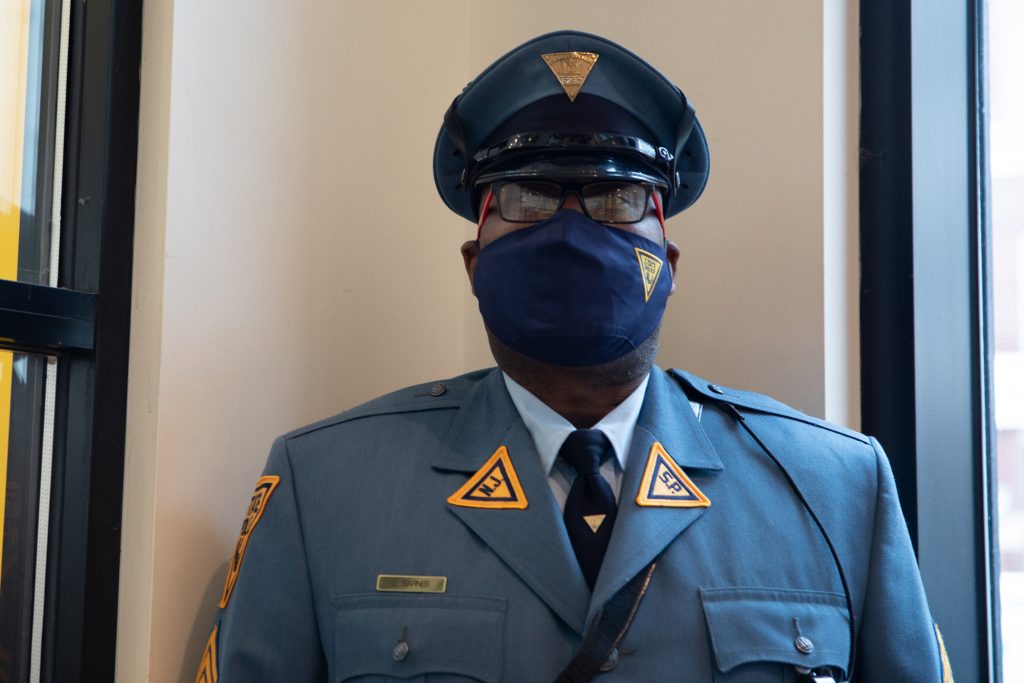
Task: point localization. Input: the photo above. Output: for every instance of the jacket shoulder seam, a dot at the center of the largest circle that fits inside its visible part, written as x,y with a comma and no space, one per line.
762,404
357,414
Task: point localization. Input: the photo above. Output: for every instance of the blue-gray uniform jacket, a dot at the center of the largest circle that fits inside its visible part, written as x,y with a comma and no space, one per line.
745,588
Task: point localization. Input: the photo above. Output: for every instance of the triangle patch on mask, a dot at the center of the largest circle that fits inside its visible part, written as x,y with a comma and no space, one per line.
664,484
650,269
494,486
571,69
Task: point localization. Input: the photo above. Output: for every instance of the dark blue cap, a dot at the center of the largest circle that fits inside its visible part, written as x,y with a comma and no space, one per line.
578,103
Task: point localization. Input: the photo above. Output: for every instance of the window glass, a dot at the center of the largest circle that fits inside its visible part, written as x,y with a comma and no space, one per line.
27,120
1006,154
22,419
24,210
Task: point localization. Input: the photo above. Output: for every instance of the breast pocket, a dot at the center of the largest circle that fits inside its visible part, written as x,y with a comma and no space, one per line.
761,635
416,637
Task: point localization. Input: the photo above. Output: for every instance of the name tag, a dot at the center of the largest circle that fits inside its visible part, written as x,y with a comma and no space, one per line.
397,583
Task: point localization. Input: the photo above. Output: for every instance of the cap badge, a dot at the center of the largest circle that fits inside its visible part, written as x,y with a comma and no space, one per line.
571,69
650,269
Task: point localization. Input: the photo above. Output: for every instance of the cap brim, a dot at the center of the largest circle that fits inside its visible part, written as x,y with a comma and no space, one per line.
574,168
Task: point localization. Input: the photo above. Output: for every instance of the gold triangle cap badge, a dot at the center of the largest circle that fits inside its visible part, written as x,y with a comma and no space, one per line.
594,521
571,69
495,486
650,270
664,484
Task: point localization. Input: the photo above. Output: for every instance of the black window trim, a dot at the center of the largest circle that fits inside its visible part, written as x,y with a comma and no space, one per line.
85,323
925,325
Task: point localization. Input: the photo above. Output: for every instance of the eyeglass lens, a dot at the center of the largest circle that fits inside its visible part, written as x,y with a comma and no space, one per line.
605,202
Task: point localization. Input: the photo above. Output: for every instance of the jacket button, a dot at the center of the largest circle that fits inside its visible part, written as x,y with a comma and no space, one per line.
401,651
611,662
438,389
804,644
715,388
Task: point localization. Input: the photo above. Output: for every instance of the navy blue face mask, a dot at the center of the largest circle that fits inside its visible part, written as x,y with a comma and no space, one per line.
571,291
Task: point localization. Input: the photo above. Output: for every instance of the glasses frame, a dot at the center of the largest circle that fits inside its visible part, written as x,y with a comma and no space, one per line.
576,189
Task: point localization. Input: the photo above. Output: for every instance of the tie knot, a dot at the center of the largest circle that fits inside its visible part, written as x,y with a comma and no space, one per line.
584,449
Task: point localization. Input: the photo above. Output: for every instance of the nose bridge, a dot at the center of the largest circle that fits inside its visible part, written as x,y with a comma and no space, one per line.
571,200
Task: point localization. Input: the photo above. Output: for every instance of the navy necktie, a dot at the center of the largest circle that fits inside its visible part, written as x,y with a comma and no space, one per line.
590,508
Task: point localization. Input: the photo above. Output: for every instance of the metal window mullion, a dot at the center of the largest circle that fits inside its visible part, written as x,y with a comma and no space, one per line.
43,520
58,152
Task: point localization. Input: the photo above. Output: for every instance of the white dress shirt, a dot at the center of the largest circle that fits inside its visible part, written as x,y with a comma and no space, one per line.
549,431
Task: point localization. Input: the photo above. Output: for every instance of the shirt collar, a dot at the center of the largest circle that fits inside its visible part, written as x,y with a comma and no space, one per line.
549,430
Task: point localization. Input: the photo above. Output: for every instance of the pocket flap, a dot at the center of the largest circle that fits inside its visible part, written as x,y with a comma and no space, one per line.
762,624
445,634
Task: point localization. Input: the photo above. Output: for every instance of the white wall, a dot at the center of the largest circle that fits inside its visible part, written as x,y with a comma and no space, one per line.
293,259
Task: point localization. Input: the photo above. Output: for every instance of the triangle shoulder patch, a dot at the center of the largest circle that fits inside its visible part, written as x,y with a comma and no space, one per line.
208,664
664,484
265,486
494,486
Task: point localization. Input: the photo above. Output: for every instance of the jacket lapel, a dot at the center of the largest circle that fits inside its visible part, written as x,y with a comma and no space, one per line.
531,541
642,533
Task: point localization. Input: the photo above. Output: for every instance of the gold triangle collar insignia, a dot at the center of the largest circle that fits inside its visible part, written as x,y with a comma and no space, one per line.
650,269
664,484
571,69
495,486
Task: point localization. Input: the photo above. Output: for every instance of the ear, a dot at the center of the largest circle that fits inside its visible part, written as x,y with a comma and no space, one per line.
672,254
470,250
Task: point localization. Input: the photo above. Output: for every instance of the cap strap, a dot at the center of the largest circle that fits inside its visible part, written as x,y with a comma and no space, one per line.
453,127
658,210
683,131
484,210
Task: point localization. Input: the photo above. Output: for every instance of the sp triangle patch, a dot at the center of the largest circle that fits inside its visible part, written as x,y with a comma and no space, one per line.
571,69
664,484
650,269
495,486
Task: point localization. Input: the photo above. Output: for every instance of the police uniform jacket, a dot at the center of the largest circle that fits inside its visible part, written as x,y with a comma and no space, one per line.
744,589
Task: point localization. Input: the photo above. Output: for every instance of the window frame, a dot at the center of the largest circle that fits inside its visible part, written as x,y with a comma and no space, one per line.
84,321
925,323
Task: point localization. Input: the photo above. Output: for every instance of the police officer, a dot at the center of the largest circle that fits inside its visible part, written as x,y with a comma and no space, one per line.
576,513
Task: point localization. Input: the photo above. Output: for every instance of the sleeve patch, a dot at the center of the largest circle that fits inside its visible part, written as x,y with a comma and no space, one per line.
208,664
947,672
264,487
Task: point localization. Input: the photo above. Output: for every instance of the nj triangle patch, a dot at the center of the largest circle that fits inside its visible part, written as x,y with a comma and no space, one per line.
664,484
495,486
571,69
650,269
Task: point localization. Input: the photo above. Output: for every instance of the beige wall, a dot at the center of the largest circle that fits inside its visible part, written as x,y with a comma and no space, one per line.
293,259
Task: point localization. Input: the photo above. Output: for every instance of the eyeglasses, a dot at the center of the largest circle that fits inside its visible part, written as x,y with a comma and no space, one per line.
530,201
